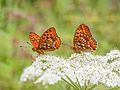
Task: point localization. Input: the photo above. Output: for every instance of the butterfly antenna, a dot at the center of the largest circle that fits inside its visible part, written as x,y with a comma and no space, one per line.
25,45
28,43
21,46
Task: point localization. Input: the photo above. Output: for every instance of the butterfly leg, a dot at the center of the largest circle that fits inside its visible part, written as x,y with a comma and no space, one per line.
40,51
34,49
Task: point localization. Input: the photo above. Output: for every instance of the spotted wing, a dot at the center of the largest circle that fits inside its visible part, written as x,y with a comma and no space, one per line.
51,41
34,39
83,39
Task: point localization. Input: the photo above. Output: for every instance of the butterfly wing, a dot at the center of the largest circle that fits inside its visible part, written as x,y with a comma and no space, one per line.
83,39
51,41
34,39
93,44
50,33
57,42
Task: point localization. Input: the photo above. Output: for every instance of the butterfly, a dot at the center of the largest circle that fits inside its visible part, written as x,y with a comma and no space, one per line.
49,41
83,40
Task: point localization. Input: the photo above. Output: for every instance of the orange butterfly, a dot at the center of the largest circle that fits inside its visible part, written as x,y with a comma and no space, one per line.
49,41
83,40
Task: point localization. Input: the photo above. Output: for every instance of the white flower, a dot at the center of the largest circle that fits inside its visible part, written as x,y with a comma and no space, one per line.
84,67
48,77
47,69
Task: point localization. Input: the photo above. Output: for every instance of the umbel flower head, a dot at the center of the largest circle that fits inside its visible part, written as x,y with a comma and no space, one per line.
82,69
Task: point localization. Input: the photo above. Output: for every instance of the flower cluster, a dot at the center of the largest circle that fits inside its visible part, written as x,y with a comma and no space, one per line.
81,68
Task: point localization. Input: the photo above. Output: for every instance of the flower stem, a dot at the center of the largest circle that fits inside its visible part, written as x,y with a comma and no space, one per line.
93,87
78,82
70,84
85,86
73,83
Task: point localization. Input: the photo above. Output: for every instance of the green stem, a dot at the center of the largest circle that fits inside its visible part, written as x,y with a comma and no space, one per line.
70,84
85,86
94,86
78,82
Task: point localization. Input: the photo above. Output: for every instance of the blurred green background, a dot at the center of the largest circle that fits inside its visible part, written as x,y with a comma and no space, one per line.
19,17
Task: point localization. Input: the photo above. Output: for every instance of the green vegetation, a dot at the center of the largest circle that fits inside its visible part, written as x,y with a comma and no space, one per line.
19,17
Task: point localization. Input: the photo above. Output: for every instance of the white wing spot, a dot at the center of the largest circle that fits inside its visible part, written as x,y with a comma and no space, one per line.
78,43
83,44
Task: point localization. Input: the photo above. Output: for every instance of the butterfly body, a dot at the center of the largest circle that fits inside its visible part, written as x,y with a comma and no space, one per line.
83,40
47,42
